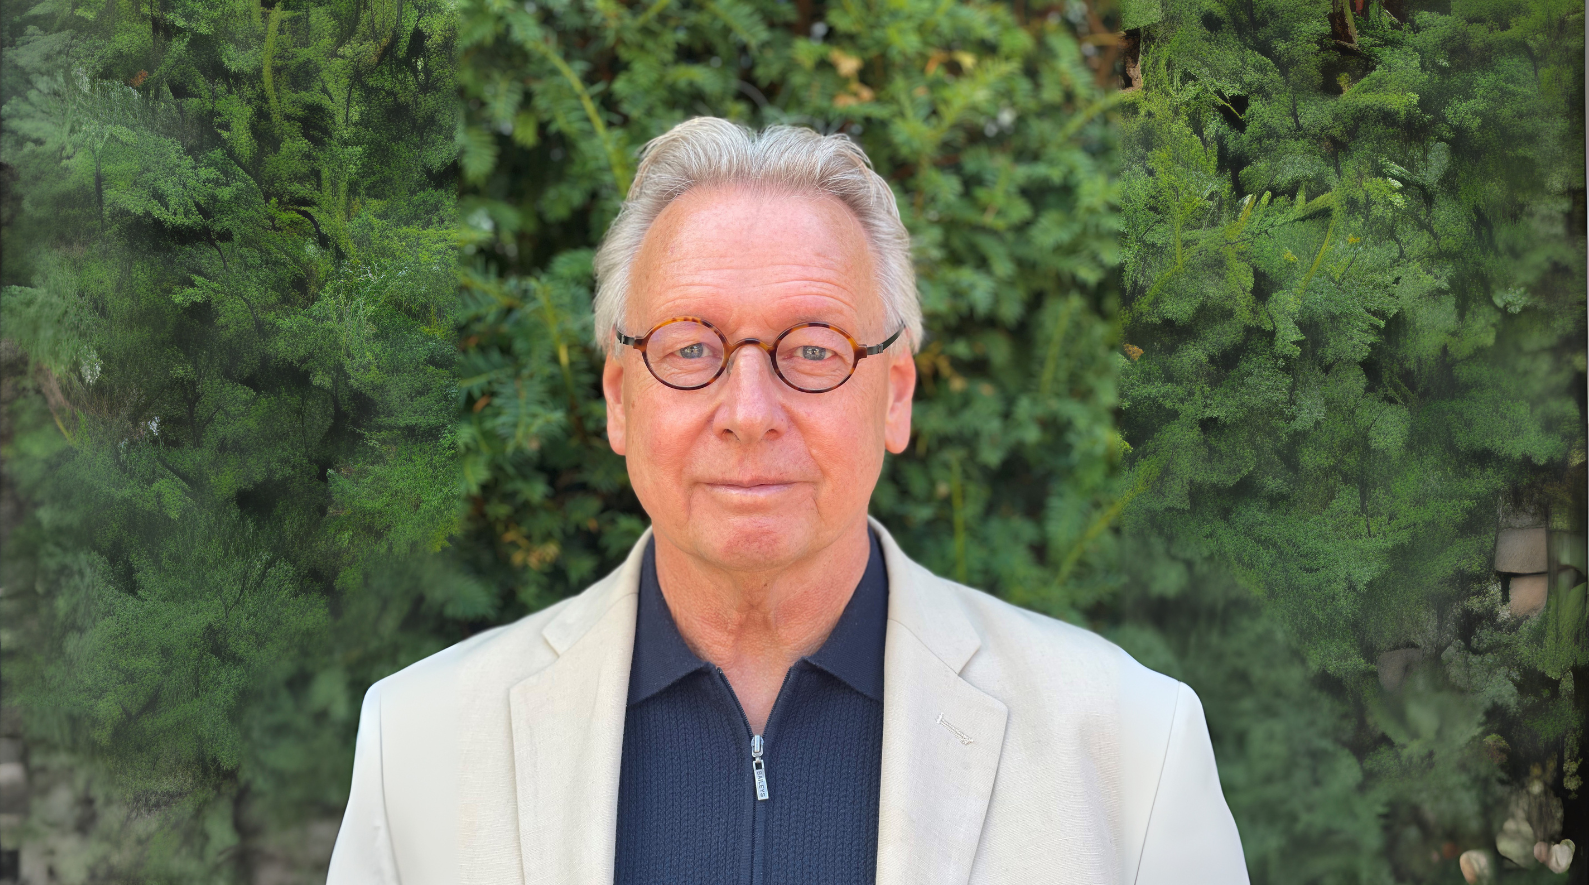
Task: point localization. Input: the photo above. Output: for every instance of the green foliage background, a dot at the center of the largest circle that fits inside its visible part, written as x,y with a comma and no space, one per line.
261,449
230,264
1354,266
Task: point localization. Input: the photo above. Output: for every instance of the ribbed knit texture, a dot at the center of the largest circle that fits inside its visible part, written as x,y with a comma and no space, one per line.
687,807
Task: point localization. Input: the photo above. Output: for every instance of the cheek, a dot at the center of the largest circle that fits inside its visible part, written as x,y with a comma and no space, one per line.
660,434
846,442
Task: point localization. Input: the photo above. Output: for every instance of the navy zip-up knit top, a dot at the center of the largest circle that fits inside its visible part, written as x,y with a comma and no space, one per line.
688,806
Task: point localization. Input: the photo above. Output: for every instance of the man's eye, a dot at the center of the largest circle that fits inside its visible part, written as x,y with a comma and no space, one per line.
693,352
812,352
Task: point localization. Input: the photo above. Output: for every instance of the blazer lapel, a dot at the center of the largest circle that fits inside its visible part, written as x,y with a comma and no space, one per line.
942,737
568,736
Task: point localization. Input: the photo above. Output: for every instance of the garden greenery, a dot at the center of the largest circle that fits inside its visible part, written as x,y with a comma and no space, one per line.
1355,315
230,270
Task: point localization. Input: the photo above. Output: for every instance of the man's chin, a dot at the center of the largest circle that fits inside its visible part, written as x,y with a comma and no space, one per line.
741,542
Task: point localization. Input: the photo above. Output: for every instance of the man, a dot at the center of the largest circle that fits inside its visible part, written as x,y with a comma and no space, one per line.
768,690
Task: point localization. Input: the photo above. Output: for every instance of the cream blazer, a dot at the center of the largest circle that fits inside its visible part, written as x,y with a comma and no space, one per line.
1016,749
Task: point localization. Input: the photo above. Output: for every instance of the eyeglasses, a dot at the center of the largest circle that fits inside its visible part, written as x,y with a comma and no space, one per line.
688,353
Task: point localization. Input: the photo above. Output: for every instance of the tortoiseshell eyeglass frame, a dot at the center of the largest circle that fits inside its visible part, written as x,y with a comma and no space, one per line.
862,351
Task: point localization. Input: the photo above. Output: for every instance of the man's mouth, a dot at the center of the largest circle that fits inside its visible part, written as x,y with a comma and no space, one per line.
752,487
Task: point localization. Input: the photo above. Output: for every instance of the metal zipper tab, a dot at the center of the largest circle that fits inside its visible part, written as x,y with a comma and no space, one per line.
758,766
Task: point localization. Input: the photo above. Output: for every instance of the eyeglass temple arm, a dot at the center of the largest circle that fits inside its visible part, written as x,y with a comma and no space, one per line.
624,339
876,349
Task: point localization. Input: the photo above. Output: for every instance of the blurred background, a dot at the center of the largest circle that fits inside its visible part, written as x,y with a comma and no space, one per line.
1256,342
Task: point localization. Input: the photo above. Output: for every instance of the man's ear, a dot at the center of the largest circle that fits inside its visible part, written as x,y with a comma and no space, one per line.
901,390
612,389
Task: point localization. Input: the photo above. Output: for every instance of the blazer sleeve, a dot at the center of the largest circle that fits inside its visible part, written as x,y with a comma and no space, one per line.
363,854
1191,837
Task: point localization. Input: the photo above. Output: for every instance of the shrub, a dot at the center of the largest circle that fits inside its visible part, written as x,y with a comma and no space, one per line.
1355,280
230,271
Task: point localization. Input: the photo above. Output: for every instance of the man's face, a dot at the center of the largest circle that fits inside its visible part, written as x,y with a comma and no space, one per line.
748,474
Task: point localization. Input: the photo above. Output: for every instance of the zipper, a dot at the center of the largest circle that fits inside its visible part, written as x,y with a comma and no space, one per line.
758,743
758,767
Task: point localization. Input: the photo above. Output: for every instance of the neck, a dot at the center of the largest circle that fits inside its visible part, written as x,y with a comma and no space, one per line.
756,624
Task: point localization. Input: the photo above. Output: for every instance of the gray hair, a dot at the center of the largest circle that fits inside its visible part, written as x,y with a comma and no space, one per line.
713,151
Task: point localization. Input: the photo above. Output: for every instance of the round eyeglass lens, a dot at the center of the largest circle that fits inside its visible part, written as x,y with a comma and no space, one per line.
684,354
815,358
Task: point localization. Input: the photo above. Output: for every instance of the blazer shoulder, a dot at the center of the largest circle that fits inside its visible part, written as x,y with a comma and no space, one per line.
480,670
508,653
1046,648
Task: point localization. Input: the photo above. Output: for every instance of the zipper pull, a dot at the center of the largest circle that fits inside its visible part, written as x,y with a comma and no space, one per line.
758,766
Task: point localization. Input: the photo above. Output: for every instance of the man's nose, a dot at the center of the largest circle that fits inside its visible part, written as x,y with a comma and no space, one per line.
750,409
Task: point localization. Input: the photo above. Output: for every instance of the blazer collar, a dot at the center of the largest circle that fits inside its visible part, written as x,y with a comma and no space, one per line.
923,603
942,737
587,609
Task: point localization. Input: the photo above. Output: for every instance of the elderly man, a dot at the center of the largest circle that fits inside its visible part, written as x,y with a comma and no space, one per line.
768,689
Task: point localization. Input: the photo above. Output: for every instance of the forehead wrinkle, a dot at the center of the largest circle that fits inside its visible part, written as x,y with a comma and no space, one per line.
718,308
687,260
708,282
733,259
